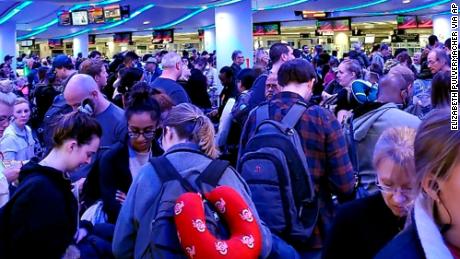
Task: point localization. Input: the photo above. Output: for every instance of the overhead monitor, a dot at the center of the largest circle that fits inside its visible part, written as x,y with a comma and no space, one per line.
55,43
369,39
122,37
64,18
27,43
92,39
96,15
112,13
313,14
201,34
407,22
80,17
424,21
268,28
333,25
125,11
163,36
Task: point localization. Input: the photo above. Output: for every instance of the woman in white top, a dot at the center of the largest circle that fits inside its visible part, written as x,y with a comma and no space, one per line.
17,142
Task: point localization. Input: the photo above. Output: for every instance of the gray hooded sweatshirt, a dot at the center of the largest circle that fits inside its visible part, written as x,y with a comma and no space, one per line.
368,128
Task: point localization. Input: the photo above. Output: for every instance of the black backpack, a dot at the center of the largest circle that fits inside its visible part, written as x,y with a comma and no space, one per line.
275,168
163,242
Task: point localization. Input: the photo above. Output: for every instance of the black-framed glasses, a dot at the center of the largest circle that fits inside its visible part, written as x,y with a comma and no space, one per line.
3,119
149,134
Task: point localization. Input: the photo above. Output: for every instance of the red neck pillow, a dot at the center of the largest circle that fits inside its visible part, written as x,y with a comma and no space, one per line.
198,242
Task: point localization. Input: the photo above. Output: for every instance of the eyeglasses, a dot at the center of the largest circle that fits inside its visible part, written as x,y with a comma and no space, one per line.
3,119
150,134
406,192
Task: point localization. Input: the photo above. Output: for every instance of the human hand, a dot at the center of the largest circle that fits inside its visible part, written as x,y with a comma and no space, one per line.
11,174
120,196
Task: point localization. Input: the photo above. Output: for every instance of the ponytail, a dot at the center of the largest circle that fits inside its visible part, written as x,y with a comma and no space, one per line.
190,123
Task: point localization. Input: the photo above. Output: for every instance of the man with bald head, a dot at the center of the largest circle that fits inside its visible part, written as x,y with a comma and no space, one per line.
82,87
371,119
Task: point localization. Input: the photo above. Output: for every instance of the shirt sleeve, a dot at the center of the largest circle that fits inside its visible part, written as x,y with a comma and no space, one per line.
339,168
8,147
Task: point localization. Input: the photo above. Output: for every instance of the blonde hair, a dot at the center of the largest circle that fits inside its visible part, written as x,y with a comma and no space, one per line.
21,100
396,144
7,97
190,123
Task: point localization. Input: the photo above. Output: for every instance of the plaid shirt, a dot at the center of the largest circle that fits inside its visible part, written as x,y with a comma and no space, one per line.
326,152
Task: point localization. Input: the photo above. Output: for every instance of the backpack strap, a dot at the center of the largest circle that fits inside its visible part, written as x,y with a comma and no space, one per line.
353,152
294,114
166,172
212,174
262,113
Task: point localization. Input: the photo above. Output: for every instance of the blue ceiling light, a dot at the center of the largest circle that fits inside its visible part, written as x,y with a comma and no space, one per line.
409,10
24,37
361,6
14,11
278,6
208,27
111,25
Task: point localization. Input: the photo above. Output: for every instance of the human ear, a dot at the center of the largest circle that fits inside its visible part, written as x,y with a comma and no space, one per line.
431,187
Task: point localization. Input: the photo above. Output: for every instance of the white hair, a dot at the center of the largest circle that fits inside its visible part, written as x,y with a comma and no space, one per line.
7,96
170,60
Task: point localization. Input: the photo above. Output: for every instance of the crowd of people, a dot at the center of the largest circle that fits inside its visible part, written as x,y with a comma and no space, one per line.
349,157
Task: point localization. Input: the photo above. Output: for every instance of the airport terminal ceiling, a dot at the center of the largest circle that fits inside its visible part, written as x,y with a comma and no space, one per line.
38,18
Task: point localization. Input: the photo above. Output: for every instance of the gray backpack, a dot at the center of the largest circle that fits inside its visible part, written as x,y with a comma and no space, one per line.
163,242
275,168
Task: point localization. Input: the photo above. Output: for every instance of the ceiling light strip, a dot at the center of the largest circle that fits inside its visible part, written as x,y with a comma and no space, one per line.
414,9
361,6
14,11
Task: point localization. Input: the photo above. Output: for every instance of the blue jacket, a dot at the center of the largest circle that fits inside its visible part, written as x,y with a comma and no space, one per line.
129,239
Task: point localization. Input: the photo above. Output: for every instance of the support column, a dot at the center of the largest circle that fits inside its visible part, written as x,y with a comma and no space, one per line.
80,44
234,32
210,40
8,42
441,27
342,43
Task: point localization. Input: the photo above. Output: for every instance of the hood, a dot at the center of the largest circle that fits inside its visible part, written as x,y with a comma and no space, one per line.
33,167
362,124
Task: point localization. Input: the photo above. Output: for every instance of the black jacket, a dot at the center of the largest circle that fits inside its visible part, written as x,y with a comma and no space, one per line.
361,228
197,89
406,245
114,174
40,220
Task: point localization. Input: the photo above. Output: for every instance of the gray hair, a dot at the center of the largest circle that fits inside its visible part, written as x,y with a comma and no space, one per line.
170,60
7,96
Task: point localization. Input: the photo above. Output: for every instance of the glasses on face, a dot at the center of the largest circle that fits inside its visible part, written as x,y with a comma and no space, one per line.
430,62
4,119
406,192
148,134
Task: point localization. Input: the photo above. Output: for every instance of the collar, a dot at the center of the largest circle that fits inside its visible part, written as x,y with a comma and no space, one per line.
428,232
188,146
289,96
18,131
